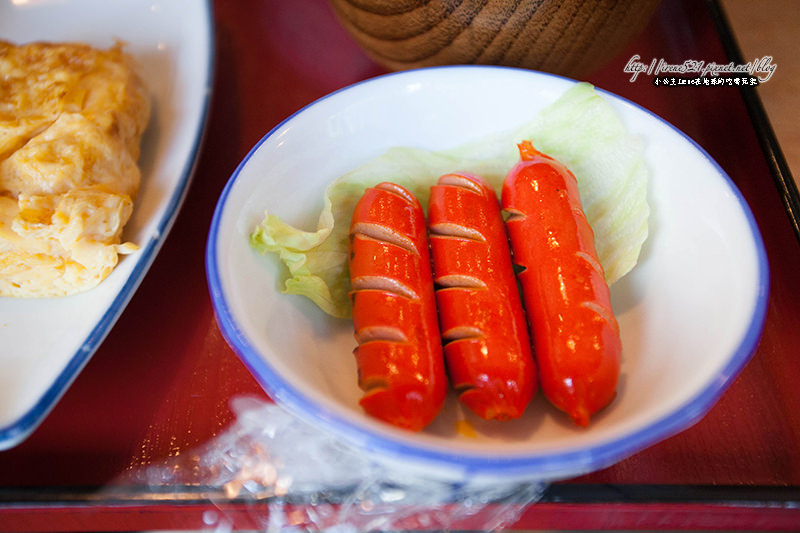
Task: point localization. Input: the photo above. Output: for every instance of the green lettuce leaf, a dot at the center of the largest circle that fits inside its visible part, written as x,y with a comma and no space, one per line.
580,129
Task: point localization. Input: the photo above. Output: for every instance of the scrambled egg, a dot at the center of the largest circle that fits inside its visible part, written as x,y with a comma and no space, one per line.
71,122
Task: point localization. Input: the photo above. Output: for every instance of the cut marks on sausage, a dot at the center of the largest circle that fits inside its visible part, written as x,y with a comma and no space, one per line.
398,190
514,214
385,234
382,234
380,333
457,180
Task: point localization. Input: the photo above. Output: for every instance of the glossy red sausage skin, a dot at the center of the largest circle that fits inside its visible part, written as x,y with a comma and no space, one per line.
399,352
487,346
575,334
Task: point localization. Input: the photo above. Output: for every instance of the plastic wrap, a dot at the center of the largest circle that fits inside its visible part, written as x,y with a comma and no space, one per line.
295,477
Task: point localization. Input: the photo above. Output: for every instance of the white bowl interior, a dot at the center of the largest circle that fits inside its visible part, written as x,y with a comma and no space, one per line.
686,311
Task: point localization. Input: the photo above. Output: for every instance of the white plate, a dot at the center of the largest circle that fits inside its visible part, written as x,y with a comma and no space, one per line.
691,312
45,343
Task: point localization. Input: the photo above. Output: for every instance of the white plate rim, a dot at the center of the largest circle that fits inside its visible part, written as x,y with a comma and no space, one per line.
471,463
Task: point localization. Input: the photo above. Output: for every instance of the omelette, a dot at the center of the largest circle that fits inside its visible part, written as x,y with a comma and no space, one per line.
71,122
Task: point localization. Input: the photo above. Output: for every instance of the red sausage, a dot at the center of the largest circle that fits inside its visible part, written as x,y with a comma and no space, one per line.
399,352
487,346
576,336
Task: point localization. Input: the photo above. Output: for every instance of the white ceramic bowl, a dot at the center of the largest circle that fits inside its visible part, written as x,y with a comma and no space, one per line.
691,312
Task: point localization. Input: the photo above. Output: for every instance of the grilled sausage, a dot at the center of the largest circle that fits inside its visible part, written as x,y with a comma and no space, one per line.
487,347
576,337
399,352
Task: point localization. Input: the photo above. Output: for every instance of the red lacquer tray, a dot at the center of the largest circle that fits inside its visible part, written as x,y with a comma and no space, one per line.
160,384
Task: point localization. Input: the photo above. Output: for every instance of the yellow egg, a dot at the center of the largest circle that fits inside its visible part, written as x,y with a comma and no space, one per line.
71,120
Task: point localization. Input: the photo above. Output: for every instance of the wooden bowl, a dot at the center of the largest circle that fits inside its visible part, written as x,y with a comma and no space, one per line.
567,37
